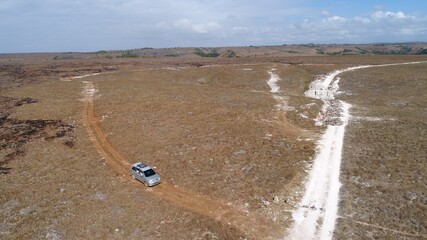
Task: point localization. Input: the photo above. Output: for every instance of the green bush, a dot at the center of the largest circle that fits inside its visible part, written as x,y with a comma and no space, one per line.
320,51
405,50
231,54
362,51
213,53
129,54
422,51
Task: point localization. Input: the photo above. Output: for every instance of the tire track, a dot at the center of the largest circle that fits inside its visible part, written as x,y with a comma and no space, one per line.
253,227
395,231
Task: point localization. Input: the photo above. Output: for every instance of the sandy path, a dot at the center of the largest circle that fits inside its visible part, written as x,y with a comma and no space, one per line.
317,212
282,101
252,226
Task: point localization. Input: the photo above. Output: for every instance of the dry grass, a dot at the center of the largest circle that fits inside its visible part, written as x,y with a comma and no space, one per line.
215,131
55,191
385,166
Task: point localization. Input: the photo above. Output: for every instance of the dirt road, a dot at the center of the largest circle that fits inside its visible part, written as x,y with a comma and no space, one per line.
248,224
317,212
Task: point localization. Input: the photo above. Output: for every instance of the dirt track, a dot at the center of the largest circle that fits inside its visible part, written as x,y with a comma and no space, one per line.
247,223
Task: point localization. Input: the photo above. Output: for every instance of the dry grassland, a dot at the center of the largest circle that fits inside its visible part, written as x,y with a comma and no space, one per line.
384,169
212,128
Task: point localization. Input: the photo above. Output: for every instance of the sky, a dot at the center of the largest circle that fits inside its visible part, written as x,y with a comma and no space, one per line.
92,25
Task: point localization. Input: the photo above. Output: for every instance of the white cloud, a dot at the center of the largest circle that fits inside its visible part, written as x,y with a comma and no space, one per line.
381,15
378,26
206,27
363,20
334,19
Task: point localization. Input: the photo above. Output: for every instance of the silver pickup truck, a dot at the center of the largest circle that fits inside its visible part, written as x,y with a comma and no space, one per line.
145,174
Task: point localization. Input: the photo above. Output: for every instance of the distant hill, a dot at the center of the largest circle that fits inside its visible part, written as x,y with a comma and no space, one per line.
416,48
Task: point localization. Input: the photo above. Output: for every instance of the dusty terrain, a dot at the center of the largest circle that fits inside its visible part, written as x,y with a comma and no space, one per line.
233,161
385,160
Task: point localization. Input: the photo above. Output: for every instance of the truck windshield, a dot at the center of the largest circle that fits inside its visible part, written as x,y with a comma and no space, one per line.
149,172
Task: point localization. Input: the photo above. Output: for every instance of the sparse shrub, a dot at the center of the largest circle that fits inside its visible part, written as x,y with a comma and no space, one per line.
377,52
335,53
213,53
129,54
231,54
422,51
362,51
320,51
404,50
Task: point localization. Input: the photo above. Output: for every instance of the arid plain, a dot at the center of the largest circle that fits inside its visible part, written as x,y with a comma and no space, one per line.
233,156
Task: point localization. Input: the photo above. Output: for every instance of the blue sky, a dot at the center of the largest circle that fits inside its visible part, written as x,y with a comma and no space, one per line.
91,25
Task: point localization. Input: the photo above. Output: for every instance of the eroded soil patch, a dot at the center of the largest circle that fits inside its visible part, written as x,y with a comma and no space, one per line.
15,133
